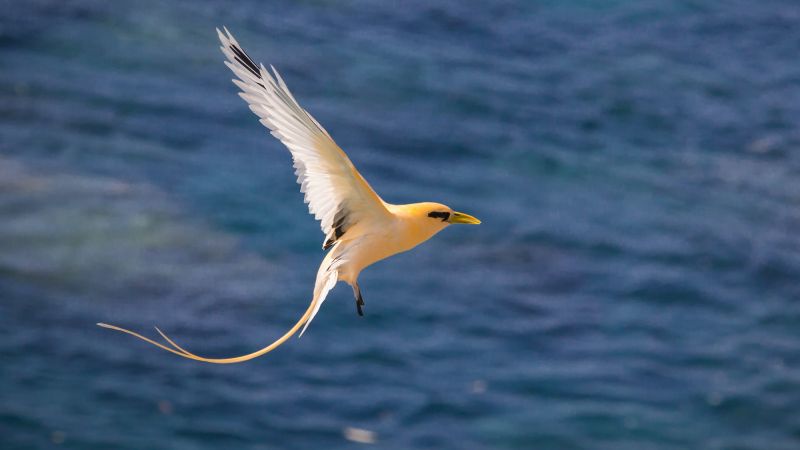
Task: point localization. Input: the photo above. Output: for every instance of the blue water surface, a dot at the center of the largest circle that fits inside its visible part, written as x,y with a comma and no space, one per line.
634,284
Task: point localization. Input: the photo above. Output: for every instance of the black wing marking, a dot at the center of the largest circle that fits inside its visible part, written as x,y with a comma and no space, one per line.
340,225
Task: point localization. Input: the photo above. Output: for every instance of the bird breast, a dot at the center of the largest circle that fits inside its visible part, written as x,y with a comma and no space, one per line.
370,244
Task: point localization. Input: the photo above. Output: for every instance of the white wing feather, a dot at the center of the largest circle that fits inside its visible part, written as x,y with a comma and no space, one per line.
337,195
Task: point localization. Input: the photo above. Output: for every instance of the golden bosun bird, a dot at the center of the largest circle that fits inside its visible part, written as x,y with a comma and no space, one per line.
360,228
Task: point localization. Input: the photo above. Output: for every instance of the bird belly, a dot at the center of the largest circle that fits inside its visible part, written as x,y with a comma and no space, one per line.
369,245
364,251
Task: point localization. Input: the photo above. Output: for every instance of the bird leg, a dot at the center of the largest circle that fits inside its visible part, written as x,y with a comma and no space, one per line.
359,299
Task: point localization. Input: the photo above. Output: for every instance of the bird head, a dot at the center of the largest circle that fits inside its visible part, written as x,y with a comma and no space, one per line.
429,218
445,215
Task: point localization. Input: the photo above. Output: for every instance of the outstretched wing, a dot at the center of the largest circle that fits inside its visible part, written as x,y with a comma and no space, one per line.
337,195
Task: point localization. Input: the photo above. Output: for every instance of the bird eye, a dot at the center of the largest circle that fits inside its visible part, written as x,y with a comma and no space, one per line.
444,215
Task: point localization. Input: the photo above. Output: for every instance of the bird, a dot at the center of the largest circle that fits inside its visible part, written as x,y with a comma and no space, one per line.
360,228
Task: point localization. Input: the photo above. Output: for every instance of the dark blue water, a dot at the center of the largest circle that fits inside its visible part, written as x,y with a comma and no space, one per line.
634,285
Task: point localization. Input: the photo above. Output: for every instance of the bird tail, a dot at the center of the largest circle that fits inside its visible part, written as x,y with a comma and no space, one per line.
325,281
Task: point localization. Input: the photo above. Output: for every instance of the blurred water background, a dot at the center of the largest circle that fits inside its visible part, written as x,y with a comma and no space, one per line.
634,284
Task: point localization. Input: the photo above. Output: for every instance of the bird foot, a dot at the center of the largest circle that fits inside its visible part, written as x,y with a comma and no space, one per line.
359,304
359,299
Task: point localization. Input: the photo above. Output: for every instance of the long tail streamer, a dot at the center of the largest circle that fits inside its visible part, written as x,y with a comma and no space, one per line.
180,351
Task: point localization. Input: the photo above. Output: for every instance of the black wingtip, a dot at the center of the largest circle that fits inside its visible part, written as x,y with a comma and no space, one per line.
244,59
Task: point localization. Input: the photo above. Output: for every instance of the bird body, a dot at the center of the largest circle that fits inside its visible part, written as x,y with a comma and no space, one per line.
406,227
360,228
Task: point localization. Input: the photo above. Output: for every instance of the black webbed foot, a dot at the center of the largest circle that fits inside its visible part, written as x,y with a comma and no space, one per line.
359,300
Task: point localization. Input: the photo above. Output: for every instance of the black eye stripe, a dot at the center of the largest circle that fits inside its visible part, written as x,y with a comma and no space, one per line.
444,215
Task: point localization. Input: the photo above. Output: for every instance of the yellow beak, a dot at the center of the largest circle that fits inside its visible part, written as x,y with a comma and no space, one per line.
459,217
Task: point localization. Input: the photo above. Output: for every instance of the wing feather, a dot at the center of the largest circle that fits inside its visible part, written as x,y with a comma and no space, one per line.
336,194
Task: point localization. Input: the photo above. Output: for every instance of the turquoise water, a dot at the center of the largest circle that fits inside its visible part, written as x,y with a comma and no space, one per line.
634,284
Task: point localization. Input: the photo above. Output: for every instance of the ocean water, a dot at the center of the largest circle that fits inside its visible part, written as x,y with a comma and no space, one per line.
634,284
